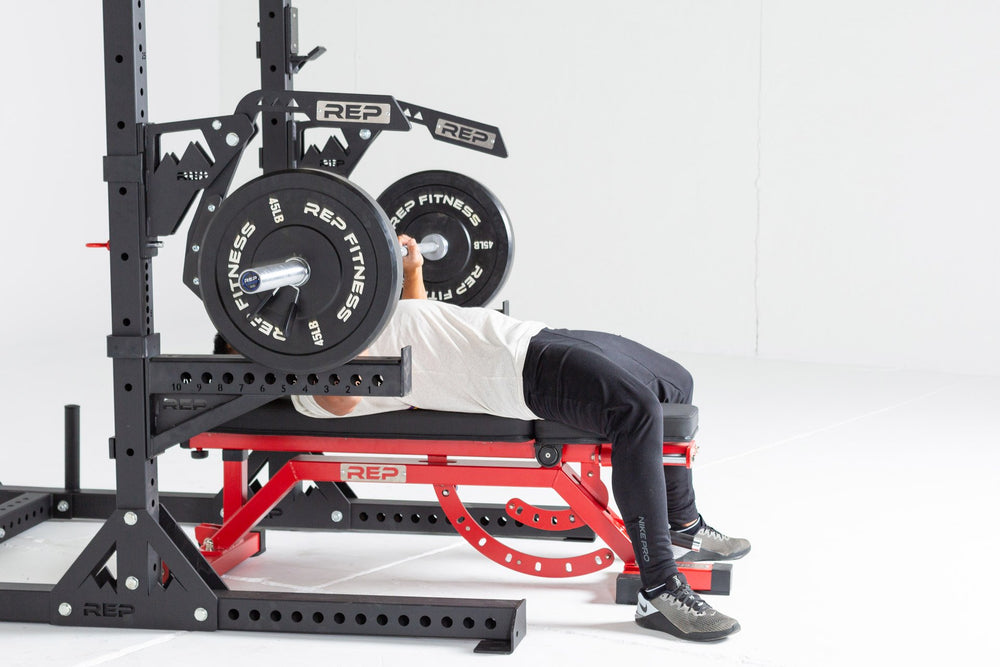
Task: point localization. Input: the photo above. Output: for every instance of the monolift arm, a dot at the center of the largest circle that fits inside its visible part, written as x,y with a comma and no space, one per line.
457,130
361,118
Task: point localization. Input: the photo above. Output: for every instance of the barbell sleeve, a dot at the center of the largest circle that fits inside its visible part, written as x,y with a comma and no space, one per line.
432,247
292,273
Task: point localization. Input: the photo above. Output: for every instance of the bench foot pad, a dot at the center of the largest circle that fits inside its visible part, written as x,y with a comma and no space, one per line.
707,578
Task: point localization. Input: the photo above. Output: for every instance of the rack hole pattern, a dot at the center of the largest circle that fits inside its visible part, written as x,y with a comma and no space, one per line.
406,520
202,380
14,514
305,619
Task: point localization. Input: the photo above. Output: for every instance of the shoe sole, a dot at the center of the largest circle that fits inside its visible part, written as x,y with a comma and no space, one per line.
660,623
705,554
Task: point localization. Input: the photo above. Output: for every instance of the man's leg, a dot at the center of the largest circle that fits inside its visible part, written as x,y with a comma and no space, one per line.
672,383
571,381
666,378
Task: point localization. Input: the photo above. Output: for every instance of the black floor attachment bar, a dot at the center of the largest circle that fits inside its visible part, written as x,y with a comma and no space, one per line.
24,603
498,624
324,508
21,511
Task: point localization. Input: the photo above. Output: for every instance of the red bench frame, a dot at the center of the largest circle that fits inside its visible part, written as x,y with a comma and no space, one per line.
439,463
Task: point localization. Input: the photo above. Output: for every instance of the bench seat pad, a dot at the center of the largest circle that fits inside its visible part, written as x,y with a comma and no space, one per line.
280,418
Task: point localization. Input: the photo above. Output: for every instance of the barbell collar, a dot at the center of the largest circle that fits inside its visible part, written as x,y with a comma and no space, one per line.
291,273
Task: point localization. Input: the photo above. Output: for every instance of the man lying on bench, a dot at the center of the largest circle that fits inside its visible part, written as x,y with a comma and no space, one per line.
478,360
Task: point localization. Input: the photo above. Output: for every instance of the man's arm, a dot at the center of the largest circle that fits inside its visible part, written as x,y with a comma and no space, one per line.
413,270
338,405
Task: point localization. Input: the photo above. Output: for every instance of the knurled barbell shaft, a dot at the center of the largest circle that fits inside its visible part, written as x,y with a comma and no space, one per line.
432,247
292,273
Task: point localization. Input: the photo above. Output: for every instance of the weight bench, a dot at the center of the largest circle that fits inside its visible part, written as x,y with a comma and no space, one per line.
429,447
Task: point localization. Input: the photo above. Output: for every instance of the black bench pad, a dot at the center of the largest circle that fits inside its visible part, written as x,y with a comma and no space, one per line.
280,418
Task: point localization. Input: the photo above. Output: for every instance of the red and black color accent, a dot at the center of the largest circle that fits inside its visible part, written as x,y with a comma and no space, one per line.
445,465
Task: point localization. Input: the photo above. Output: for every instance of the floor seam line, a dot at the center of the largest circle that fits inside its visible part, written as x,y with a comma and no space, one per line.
824,429
121,653
432,552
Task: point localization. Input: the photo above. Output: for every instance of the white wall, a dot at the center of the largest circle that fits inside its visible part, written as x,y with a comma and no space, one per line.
56,304
796,180
879,201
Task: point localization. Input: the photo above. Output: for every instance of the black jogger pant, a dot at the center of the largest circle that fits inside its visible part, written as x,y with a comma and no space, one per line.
614,386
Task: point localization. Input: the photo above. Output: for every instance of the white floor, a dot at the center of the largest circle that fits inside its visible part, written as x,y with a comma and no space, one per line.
870,496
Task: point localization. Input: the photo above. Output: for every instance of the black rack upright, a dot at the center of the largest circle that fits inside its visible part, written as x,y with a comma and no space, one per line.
141,570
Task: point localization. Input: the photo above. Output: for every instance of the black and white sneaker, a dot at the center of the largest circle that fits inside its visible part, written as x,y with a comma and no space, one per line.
707,543
679,611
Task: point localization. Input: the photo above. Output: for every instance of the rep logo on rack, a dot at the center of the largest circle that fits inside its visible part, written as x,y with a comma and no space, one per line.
466,134
107,609
353,112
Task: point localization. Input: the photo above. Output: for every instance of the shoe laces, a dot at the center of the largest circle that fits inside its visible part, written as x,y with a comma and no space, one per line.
684,597
713,532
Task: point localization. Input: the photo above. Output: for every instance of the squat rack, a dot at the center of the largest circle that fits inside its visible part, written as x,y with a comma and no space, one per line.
141,570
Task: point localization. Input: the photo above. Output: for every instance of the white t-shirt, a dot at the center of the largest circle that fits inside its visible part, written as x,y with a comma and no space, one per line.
464,360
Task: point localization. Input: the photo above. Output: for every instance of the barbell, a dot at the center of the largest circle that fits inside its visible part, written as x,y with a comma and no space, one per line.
300,270
295,271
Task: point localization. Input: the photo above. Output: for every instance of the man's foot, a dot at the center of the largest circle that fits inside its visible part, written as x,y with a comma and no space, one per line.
678,611
713,544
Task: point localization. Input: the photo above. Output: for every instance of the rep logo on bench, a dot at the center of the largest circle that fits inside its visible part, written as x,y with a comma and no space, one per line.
366,472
